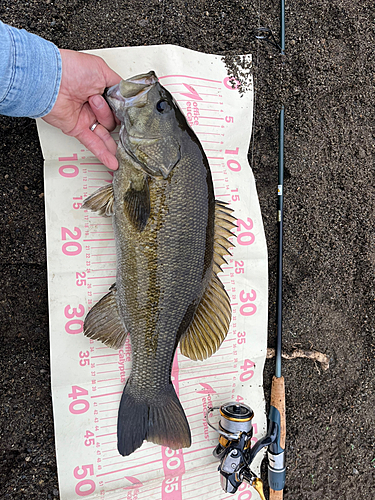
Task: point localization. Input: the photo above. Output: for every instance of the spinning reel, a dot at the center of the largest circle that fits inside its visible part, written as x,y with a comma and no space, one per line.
236,454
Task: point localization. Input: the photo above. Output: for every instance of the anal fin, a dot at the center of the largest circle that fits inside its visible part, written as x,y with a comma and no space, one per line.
104,323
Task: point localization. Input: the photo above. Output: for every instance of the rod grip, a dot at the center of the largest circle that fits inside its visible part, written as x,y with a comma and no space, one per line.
276,495
278,401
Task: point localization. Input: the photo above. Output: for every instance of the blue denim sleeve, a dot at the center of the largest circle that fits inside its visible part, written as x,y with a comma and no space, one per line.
30,73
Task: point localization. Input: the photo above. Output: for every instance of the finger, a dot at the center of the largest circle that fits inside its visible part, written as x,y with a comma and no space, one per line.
110,76
106,137
102,111
96,145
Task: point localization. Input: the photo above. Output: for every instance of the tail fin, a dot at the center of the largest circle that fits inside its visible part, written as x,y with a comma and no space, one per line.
161,421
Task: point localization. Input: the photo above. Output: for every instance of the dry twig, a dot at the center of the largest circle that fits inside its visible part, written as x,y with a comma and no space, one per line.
300,353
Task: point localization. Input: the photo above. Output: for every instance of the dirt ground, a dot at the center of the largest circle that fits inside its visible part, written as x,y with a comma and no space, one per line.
327,86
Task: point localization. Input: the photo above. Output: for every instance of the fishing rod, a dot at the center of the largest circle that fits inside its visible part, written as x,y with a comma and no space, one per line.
276,451
276,454
235,426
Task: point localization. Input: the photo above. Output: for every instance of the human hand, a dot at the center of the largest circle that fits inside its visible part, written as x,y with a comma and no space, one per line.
80,104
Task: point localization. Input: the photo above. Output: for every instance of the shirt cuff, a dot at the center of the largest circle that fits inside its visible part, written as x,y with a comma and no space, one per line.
30,73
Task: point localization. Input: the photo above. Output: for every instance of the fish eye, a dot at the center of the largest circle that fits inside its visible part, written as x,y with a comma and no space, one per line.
163,106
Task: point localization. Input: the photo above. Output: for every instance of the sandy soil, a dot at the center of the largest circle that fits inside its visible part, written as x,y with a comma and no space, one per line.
327,86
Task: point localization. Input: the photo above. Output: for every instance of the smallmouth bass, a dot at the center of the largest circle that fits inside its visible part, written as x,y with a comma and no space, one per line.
171,238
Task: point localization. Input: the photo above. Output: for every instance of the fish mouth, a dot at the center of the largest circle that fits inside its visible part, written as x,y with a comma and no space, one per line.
131,92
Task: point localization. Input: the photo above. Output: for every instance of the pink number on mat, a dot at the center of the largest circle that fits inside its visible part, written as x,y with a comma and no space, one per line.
78,406
67,232
247,225
69,158
82,405
71,248
84,482
238,264
80,282
77,311
174,467
74,326
234,165
171,488
68,170
248,308
246,238
171,485
231,83
247,374
231,151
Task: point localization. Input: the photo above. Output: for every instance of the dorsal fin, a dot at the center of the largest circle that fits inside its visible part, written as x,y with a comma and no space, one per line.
101,201
224,221
104,323
212,317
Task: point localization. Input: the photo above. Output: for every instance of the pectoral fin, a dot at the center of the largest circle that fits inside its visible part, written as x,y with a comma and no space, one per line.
210,323
104,323
137,204
101,201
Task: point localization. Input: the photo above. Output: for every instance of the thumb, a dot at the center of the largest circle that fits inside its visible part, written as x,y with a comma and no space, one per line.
110,77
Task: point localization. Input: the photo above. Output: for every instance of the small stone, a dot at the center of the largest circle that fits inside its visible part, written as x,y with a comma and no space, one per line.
28,459
6,176
362,153
55,492
355,471
25,188
41,195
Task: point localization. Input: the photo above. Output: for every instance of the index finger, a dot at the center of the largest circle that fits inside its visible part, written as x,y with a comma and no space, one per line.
100,146
102,111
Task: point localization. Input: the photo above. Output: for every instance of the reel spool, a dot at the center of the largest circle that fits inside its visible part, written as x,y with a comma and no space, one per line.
235,420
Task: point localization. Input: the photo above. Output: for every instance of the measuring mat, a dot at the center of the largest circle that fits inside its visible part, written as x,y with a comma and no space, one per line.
87,377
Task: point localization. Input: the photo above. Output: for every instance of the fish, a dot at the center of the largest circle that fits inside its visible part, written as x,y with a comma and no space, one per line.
171,237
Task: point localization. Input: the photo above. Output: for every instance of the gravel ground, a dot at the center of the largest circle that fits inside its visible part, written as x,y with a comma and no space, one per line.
327,85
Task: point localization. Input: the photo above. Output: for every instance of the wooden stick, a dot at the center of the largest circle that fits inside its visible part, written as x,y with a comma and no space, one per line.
301,353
